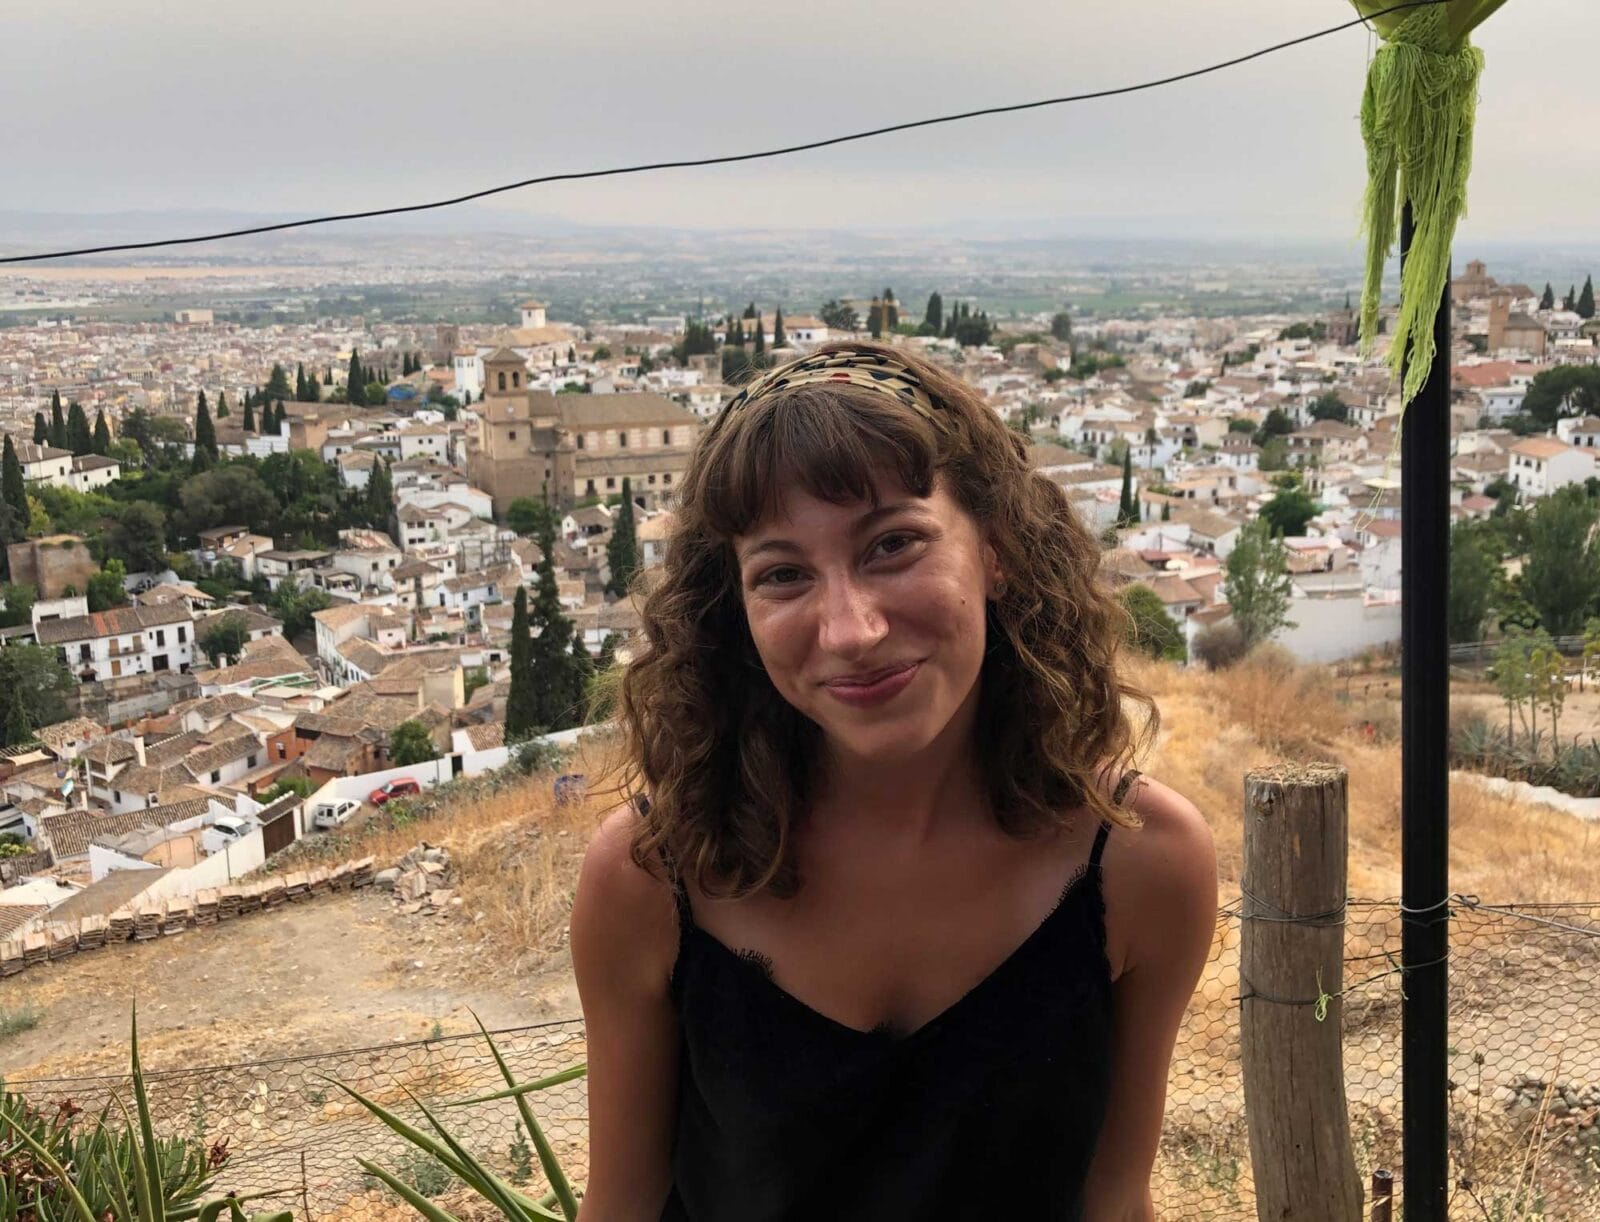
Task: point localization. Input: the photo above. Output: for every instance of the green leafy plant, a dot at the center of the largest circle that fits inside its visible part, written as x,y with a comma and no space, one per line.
52,1169
561,1202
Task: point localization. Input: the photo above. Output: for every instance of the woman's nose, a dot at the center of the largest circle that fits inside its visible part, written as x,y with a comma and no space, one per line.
852,623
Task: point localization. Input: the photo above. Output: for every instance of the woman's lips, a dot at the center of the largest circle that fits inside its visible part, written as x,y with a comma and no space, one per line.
864,695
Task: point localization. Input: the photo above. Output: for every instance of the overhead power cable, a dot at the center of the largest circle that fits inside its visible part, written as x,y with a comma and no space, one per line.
727,159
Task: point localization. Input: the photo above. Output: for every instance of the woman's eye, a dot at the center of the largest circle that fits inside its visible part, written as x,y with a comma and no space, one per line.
777,577
894,544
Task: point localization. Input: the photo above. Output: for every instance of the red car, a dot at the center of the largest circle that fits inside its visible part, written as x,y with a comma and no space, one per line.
399,787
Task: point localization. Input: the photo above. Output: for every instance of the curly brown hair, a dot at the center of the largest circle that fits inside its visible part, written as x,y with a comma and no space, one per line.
729,765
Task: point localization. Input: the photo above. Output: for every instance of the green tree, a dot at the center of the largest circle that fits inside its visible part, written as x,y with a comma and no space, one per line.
1585,303
278,383
80,438
1276,424
224,639
522,703
18,600
14,724
1128,507
974,330
296,607
622,552
58,422
1061,326
1563,390
1329,406
12,486
249,422
837,316
1561,576
41,430
1548,301
933,315
102,434
106,589
1570,301
1289,510
37,675
139,536
410,743
356,381
1257,586
779,339
222,405
527,516
1473,569
228,496
379,495
759,348
1150,628
205,438
558,681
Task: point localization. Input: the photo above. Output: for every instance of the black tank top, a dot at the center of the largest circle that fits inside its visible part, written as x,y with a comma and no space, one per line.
994,1105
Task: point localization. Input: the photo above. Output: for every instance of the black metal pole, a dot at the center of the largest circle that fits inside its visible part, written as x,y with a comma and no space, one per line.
1424,777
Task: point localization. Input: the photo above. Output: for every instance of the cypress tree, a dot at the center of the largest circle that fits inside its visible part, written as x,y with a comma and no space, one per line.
249,416
41,430
80,440
750,311
778,337
279,415
933,316
222,404
278,384
760,351
558,688
12,486
300,381
16,726
1127,510
58,423
622,553
380,494
522,705
205,437
1585,306
102,434
1548,301
356,380
1570,301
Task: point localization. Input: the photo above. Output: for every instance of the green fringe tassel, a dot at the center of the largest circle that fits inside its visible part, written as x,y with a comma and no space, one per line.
1416,121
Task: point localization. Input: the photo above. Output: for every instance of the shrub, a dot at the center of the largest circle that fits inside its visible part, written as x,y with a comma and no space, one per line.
1219,646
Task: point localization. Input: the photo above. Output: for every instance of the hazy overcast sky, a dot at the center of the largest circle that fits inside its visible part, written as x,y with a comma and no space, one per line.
307,106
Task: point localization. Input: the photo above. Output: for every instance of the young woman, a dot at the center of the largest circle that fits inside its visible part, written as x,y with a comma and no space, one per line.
890,929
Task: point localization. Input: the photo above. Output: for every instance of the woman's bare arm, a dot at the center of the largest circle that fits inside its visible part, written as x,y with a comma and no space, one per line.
624,945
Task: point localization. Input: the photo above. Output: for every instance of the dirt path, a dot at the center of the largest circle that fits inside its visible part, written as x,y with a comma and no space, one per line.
337,972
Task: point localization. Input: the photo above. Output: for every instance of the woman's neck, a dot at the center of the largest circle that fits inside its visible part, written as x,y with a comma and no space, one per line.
907,801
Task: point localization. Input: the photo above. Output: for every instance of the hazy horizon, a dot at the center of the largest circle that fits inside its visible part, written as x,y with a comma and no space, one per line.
304,109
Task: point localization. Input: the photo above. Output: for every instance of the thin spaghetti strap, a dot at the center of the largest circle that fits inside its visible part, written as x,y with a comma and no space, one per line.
680,896
1123,786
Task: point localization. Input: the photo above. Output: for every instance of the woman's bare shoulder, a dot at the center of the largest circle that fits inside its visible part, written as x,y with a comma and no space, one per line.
621,908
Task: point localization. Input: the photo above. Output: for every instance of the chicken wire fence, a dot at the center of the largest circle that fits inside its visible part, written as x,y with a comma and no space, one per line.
1524,1061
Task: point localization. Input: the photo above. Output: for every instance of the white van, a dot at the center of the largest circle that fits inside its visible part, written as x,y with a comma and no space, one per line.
331,814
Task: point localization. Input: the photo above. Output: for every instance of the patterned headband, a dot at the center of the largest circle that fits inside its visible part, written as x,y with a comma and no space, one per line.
870,369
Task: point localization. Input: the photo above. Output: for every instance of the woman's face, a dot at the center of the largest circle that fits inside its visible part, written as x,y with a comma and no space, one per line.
870,621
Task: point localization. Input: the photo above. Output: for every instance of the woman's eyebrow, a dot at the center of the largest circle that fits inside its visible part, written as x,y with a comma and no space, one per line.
865,522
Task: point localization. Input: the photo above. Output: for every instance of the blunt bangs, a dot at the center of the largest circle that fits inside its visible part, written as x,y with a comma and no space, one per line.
828,442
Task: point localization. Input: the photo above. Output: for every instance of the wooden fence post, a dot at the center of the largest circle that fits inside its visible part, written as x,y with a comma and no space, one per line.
1291,954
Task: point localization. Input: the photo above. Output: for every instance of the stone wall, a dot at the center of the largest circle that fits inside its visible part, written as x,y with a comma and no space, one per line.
52,566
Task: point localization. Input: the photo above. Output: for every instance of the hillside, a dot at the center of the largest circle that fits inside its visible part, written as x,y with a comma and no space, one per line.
341,971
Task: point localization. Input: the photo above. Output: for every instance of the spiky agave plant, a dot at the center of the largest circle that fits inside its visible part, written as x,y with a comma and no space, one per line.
561,1202
127,1172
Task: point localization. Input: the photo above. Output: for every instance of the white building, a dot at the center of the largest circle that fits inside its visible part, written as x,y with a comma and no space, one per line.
125,641
1537,466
